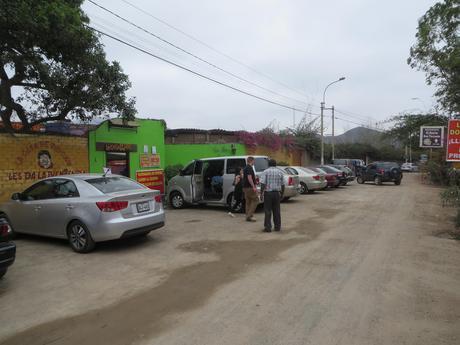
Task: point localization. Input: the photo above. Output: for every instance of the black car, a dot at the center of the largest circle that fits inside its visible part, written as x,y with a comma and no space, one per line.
379,172
348,173
7,248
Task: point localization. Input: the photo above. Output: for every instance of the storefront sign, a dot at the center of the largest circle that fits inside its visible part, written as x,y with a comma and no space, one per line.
116,147
153,179
149,161
432,136
453,141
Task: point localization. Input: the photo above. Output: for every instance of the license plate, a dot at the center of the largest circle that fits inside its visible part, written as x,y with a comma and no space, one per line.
143,207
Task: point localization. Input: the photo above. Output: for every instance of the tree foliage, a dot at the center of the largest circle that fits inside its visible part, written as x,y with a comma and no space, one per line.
307,135
406,127
53,67
437,51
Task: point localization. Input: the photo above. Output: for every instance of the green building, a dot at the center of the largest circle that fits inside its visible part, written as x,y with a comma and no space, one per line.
131,148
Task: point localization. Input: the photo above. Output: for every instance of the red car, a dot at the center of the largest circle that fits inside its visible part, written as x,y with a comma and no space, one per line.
332,180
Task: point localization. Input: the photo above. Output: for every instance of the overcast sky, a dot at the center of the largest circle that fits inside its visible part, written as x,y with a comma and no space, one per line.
301,44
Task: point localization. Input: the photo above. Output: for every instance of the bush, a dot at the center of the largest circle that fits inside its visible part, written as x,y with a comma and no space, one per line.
171,171
282,163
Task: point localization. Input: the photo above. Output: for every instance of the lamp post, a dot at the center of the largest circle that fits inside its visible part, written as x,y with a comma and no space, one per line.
323,103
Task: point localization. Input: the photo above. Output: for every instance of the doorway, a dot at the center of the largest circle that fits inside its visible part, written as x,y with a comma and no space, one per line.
118,162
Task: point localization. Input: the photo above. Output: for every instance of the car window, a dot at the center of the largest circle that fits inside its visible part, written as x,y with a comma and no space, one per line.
39,191
114,184
372,166
234,163
309,171
198,167
260,164
292,171
188,170
65,189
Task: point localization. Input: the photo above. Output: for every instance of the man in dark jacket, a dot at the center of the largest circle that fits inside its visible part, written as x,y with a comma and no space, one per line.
250,189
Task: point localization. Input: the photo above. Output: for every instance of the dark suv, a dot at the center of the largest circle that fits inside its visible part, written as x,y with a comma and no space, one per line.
379,172
7,249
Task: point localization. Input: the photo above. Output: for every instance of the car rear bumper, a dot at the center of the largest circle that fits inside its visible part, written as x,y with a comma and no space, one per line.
317,185
290,191
111,229
7,254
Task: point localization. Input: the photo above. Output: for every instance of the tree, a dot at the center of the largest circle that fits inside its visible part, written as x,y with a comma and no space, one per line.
437,52
306,135
406,127
53,66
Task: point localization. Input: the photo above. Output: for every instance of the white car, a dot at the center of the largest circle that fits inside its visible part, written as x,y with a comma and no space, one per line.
411,167
309,180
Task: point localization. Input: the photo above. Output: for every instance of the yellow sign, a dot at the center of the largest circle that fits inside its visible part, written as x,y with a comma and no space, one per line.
150,161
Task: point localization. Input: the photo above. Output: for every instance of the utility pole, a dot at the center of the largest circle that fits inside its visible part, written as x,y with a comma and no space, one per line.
293,118
322,134
333,138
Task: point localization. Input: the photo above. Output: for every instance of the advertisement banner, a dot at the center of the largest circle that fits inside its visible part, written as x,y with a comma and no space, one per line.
453,141
432,136
149,161
153,179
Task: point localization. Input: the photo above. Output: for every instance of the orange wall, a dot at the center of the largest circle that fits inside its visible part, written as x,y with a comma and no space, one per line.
293,157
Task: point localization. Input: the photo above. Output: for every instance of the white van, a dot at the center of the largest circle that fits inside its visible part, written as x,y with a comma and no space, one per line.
209,180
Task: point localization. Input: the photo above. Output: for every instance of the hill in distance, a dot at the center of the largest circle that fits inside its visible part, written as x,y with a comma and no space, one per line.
360,135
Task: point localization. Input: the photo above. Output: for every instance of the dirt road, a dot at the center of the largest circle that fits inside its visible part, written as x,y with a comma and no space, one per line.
360,265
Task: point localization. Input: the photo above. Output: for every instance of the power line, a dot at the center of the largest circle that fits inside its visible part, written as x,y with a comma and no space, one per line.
191,54
355,123
356,116
193,72
213,49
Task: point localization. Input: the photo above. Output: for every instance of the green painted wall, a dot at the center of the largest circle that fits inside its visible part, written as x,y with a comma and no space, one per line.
184,153
149,132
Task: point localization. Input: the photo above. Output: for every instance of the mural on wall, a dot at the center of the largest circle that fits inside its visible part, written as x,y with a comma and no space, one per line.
34,157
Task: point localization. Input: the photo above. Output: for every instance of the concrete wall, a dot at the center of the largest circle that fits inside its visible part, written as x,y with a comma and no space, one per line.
292,157
25,159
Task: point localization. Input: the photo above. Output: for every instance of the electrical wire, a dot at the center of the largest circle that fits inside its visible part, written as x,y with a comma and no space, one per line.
193,72
191,54
213,49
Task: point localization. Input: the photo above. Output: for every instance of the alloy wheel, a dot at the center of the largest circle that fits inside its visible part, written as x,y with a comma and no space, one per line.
78,236
177,201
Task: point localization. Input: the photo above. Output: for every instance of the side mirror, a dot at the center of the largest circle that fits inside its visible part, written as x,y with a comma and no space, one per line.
16,196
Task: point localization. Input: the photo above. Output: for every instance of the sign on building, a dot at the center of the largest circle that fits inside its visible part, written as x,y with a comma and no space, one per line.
432,136
153,179
149,161
453,141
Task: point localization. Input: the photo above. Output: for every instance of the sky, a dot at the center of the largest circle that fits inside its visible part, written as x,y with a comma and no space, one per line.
287,52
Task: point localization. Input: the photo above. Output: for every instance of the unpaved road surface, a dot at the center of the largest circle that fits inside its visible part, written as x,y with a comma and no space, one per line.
360,265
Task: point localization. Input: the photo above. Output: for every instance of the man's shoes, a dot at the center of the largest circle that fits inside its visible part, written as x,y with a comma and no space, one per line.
250,219
267,230
277,229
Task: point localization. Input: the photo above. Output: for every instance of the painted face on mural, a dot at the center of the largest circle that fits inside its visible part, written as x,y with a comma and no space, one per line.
44,160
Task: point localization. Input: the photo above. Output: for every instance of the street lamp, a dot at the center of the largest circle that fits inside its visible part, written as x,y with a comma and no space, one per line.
322,120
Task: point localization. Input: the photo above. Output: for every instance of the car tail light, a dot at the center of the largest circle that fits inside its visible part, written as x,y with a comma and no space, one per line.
316,177
111,206
4,230
381,171
158,198
290,181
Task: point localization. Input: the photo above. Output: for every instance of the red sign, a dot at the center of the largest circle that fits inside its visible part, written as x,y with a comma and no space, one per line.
453,141
153,179
150,161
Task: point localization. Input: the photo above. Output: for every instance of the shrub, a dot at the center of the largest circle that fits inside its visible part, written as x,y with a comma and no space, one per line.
171,171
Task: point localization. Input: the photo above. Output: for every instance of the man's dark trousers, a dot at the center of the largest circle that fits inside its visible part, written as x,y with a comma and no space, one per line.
272,205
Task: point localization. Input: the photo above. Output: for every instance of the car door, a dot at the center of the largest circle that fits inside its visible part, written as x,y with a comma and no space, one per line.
371,170
25,215
56,211
197,182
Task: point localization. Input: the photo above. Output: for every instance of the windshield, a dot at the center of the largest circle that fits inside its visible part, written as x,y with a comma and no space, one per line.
260,164
114,184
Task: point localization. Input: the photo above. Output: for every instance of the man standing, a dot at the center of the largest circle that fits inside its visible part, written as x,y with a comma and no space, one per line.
272,180
250,190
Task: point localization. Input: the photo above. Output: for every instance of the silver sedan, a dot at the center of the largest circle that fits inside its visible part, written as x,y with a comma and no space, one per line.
85,209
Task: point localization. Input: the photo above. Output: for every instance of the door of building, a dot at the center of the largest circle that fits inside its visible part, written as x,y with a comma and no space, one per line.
118,162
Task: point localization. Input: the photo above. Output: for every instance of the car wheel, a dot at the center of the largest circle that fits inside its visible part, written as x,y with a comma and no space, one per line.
378,180
397,182
303,189
3,272
177,200
360,180
79,237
